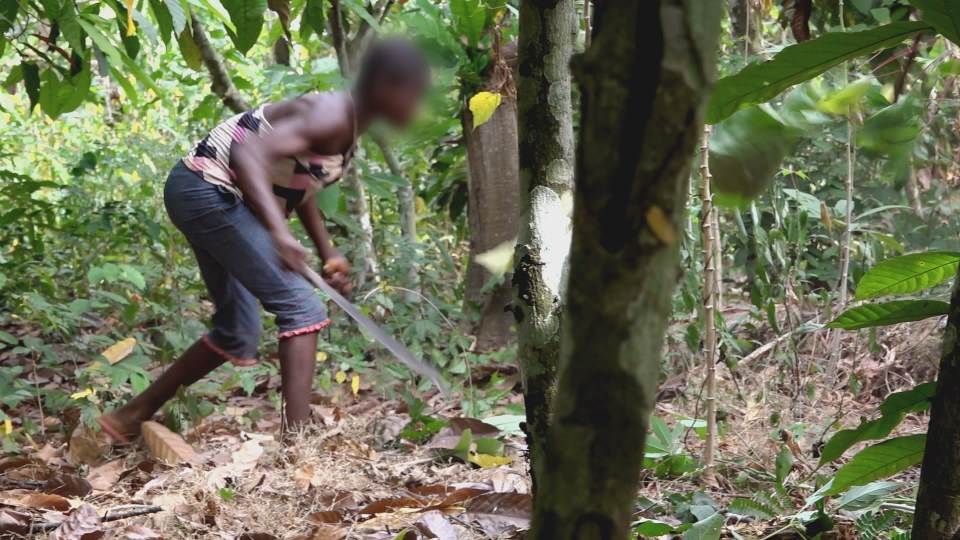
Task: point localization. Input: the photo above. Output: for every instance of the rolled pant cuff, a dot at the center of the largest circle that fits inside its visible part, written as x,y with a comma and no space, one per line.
227,356
305,330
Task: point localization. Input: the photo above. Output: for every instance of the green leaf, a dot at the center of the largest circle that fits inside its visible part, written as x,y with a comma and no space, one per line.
163,19
893,409
944,15
247,17
469,18
707,529
189,50
861,497
750,507
746,151
908,274
67,21
282,9
31,80
762,81
879,461
177,14
784,464
888,313
360,10
654,528
916,399
8,13
314,18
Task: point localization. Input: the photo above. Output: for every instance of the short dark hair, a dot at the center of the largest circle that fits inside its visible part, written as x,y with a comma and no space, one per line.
393,61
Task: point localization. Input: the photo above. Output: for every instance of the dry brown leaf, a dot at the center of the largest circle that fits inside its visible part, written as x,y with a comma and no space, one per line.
139,532
303,477
68,485
47,501
13,522
478,428
84,446
325,532
339,500
106,476
256,536
330,516
166,445
435,525
7,464
501,513
462,495
82,524
389,505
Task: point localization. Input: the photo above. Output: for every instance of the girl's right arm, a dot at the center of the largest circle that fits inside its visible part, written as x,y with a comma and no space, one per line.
251,161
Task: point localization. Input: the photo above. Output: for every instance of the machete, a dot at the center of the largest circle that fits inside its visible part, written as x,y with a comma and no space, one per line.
394,346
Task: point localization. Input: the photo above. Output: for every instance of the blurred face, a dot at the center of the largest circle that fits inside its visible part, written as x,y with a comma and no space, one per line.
397,103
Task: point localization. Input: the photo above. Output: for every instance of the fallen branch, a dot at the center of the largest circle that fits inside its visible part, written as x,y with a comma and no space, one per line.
763,349
129,511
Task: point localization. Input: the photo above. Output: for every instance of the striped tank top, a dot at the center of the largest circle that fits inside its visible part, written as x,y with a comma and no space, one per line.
295,179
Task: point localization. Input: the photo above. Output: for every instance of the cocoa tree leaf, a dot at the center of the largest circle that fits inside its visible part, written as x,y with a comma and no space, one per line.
389,505
707,529
501,513
82,523
879,461
166,445
944,15
762,81
887,313
67,485
908,274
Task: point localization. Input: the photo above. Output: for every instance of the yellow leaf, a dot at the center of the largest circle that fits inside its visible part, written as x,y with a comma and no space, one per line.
355,384
487,461
84,394
322,356
7,426
119,350
340,377
131,29
499,260
661,226
483,105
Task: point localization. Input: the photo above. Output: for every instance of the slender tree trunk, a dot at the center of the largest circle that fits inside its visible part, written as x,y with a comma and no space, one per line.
708,223
408,210
220,82
937,514
365,263
493,177
548,29
644,84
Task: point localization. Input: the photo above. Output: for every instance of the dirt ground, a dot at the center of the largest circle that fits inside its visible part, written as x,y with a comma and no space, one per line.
349,477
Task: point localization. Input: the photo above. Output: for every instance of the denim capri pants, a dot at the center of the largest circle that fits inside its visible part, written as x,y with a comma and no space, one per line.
239,266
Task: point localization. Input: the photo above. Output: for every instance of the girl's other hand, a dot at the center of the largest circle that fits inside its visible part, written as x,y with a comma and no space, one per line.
336,272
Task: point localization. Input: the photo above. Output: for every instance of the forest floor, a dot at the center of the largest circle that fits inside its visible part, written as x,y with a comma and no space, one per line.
349,477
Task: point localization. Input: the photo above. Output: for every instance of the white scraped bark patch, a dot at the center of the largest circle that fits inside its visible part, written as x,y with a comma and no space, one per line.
550,232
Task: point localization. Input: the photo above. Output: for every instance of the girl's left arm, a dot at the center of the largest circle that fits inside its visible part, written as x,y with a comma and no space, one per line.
336,268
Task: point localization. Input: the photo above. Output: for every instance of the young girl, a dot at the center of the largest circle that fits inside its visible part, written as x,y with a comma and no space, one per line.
231,197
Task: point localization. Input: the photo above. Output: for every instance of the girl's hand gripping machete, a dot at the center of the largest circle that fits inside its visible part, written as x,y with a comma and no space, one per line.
394,346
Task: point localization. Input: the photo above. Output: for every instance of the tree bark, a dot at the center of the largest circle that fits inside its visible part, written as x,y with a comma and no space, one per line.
548,29
365,263
744,25
937,514
492,215
220,82
644,84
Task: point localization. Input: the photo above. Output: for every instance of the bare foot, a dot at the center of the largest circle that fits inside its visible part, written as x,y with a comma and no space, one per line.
121,428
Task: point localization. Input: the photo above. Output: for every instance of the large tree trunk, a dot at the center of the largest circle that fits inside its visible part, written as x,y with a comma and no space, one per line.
937,514
644,84
547,32
493,178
